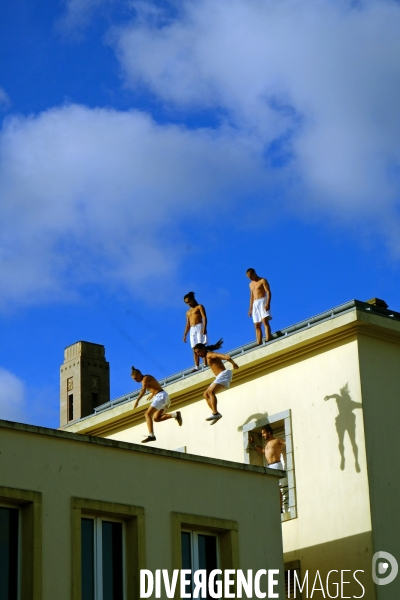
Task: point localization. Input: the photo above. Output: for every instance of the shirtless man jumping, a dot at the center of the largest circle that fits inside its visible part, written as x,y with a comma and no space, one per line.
223,376
160,403
273,450
196,321
260,300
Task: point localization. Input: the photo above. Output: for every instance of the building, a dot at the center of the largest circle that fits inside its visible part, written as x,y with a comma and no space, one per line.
80,516
331,386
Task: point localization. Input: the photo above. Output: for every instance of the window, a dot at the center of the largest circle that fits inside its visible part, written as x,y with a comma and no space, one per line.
20,544
282,427
108,544
95,400
9,534
70,407
290,570
199,551
102,559
200,542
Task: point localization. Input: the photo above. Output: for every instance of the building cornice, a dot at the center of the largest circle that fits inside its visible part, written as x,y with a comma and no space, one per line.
341,329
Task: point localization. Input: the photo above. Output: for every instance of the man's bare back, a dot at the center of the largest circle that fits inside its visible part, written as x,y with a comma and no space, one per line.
151,384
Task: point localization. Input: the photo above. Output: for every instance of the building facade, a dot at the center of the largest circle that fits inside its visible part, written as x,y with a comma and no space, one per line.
81,516
331,387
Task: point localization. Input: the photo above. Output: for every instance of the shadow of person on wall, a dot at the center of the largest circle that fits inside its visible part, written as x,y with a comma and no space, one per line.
346,421
255,417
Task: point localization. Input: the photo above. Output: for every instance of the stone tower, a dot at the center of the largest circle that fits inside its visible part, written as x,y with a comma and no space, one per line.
84,381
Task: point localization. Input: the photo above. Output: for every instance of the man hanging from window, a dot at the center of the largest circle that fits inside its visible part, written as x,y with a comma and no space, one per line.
273,450
196,322
160,403
260,300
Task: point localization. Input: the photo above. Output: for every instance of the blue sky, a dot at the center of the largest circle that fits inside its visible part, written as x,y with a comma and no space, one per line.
152,148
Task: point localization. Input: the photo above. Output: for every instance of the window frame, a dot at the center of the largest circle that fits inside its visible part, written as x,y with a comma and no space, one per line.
29,505
227,539
134,549
98,549
251,428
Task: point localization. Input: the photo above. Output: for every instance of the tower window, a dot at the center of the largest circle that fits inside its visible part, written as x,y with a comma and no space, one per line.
95,400
70,407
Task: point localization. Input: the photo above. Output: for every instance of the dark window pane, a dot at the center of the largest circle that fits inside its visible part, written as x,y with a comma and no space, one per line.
70,407
87,537
207,554
8,553
187,556
95,400
112,561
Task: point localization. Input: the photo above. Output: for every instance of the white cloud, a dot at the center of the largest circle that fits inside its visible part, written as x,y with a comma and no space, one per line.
78,13
5,101
324,75
12,397
96,195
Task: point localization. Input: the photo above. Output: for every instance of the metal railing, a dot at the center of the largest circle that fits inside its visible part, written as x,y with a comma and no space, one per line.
237,352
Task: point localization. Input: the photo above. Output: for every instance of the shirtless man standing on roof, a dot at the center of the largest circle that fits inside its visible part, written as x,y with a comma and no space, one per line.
273,450
160,403
196,321
223,376
260,300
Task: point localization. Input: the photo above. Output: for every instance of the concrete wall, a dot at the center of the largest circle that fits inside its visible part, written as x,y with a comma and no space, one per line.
61,466
380,374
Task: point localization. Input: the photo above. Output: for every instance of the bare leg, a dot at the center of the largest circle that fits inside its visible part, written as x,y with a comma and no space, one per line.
196,359
148,415
258,333
210,395
160,416
268,334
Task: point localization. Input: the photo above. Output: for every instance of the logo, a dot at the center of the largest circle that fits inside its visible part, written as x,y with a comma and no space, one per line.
384,563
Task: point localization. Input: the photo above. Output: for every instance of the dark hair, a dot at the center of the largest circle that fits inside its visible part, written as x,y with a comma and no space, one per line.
268,429
251,271
189,295
210,348
135,369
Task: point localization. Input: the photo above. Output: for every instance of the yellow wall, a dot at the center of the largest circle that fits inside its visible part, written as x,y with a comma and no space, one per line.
333,529
380,370
61,466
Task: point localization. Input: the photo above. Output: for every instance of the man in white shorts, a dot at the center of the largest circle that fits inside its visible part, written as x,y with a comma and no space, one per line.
196,324
260,300
223,377
160,402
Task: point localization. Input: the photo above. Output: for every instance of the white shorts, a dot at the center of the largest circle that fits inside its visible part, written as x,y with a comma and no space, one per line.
224,378
195,335
259,313
277,465
161,400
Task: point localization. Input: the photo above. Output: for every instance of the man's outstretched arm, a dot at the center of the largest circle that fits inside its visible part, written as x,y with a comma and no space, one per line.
255,446
251,303
225,357
187,327
141,393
